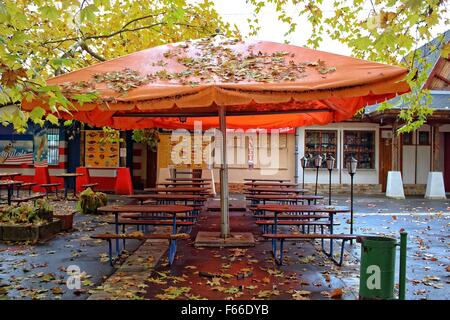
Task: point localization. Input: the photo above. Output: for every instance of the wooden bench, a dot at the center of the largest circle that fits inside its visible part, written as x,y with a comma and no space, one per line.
311,236
151,222
291,216
29,198
48,188
24,185
171,237
299,223
139,216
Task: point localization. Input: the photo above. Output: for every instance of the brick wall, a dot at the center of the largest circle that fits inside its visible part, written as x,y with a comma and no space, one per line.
414,189
321,188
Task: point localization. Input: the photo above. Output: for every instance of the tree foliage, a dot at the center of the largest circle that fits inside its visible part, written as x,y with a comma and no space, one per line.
387,31
43,38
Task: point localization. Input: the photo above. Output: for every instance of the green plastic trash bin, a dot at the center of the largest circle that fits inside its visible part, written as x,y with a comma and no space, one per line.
377,273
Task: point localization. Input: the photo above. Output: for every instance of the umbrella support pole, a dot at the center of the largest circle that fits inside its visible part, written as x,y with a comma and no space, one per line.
224,219
224,238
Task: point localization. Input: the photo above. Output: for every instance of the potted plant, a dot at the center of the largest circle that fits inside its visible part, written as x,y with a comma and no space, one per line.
28,223
43,210
89,201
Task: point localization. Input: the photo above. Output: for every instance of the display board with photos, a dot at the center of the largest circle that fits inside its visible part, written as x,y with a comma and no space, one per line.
101,152
323,142
360,145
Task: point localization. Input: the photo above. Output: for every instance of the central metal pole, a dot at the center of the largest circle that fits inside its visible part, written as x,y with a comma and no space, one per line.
329,188
224,219
303,179
351,205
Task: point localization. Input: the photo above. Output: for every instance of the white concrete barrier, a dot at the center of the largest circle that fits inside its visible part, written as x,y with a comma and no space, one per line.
435,186
394,186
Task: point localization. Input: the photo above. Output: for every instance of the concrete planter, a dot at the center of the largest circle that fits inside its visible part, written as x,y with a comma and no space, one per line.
435,186
66,221
29,232
394,186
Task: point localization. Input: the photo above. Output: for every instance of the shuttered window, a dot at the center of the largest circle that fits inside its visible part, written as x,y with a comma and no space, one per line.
53,146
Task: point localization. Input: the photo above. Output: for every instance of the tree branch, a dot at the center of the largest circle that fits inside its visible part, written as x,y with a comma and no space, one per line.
86,48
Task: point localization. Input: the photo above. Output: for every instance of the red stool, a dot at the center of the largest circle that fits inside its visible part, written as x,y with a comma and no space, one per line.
124,185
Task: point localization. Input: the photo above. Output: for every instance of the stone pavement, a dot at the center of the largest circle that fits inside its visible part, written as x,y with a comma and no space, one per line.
308,274
128,281
38,271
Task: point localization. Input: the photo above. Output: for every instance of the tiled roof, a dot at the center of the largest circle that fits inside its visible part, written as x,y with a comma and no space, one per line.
431,52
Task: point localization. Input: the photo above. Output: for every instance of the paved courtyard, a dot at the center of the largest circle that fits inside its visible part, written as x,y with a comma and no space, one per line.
39,271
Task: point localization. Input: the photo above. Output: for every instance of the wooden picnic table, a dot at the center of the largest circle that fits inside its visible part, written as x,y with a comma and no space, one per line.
183,183
164,197
268,180
275,190
172,210
188,179
9,184
178,189
279,209
282,198
67,177
270,184
9,175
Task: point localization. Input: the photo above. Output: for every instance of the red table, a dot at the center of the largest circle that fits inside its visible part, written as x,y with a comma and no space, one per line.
68,176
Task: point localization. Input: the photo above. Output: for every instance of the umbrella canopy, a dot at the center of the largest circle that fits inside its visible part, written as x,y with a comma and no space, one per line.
285,85
251,84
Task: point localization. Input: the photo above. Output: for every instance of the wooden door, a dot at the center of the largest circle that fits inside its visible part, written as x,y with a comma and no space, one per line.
447,161
385,157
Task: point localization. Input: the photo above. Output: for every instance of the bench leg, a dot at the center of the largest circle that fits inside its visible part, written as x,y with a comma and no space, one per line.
342,253
123,231
321,240
172,250
341,258
274,243
110,252
278,258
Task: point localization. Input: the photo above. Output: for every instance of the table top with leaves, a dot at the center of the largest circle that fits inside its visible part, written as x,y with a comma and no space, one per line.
285,197
145,208
165,196
302,208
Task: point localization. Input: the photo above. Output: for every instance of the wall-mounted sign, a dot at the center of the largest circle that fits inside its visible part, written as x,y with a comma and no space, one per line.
14,152
99,151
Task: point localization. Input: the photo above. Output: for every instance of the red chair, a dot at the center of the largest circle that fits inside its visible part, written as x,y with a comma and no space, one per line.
84,181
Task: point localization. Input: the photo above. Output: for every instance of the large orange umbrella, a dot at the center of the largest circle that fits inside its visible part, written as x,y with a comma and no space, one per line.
255,84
